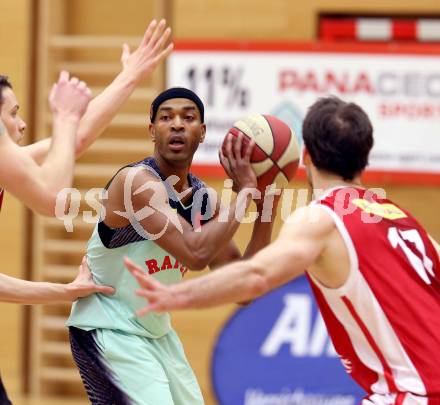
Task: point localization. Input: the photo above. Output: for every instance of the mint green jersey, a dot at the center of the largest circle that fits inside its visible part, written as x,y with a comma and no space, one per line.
100,311
123,358
106,250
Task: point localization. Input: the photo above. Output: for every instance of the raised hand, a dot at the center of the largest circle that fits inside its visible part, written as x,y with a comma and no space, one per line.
153,48
236,163
69,97
83,284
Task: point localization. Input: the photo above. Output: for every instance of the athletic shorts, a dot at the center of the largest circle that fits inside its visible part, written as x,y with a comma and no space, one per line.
119,368
4,400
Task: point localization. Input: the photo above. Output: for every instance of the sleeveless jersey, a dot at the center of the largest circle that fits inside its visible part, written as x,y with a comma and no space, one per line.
385,320
106,250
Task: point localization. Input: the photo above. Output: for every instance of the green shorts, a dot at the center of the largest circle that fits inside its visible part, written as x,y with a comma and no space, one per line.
149,371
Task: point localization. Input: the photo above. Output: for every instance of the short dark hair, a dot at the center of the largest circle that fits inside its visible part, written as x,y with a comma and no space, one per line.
4,82
338,136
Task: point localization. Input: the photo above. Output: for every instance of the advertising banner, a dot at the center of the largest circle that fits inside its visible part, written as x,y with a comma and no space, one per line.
277,351
399,88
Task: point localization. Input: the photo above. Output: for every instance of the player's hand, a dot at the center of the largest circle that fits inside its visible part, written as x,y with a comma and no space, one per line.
83,284
236,161
159,296
153,48
69,97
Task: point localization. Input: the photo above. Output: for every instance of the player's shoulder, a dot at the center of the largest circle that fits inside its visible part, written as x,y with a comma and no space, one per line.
136,179
311,219
142,170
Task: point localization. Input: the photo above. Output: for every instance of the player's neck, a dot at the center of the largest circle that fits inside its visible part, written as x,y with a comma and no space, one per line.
326,181
168,169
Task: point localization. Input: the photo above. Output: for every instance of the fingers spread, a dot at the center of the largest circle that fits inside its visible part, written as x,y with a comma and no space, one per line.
162,40
131,266
164,54
157,34
148,33
143,279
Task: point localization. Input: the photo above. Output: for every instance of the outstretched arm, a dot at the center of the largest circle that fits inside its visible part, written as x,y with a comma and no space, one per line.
300,243
25,292
38,185
137,66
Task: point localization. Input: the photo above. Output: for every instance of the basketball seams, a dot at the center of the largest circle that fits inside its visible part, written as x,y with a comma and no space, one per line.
260,150
279,148
265,154
275,157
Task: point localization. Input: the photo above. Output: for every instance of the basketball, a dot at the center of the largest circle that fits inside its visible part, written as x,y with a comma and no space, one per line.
275,157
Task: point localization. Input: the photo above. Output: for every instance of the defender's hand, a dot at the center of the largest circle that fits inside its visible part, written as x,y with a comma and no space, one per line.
159,296
69,97
151,51
83,284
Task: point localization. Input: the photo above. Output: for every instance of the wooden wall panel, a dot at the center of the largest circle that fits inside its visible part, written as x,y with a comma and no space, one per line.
103,17
276,19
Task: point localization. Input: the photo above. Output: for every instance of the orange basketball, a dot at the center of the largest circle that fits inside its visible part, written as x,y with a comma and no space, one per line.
275,157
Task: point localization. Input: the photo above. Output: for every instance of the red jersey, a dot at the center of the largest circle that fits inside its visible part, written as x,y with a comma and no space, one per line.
1,197
385,320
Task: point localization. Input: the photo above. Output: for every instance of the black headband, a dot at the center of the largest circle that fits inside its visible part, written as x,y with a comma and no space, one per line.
176,92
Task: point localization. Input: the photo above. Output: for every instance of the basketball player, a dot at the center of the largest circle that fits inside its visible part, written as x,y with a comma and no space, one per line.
36,173
373,268
122,359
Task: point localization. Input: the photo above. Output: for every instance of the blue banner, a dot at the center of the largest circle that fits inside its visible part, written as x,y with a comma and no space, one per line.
276,351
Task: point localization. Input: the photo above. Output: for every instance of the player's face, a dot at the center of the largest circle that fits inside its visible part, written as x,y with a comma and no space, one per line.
10,117
177,130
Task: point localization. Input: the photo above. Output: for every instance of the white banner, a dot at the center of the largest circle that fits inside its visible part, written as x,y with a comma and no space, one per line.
400,93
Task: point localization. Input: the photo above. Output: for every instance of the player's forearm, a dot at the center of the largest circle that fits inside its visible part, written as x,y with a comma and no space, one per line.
18,291
237,282
57,168
214,235
102,109
40,189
